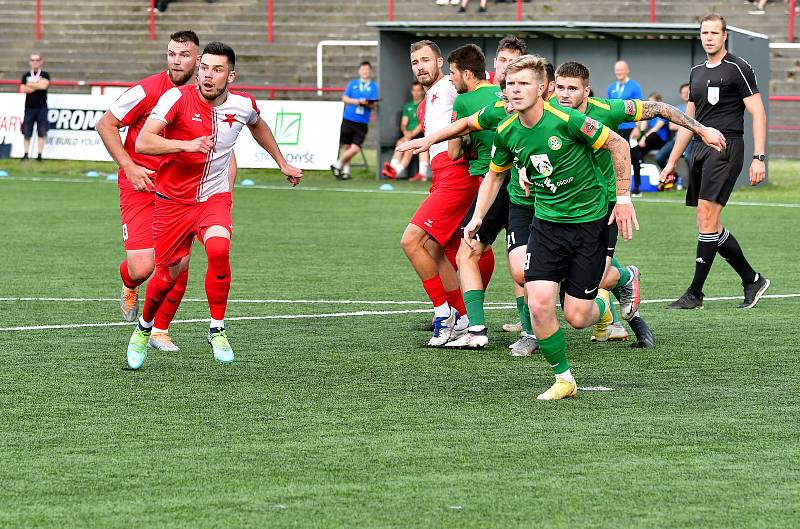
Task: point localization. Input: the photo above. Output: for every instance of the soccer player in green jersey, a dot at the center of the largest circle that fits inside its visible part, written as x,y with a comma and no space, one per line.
572,91
410,128
552,148
475,264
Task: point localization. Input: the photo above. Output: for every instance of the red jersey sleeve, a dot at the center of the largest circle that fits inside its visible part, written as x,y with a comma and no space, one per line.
131,105
167,107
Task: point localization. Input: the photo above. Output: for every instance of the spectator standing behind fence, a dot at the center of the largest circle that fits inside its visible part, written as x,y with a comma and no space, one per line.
360,98
34,85
663,153
463,8
624,88
655,133
411,129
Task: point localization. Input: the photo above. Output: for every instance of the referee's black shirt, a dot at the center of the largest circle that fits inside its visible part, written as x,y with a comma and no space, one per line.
717,93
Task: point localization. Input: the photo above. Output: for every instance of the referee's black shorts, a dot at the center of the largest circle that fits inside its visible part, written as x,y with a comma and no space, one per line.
712,174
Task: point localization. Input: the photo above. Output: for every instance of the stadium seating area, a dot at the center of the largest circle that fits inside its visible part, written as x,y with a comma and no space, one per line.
108,40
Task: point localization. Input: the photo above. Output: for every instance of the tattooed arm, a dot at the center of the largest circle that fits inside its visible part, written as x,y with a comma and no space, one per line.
624,214
710,136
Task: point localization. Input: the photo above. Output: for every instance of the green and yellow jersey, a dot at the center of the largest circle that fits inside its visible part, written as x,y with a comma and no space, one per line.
557,155
469,103
410,112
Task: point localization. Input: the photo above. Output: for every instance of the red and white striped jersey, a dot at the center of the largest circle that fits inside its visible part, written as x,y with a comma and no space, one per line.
194,177
435,113
133,108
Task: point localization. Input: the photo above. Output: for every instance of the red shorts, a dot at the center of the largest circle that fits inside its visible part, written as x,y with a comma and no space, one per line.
136,208
442,212
176,225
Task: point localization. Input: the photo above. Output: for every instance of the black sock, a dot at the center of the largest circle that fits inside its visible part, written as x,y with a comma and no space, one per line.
729,249
706,250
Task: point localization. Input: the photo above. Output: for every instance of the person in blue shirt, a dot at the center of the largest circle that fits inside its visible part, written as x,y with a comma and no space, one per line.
624,88
655,134
663,154
360,98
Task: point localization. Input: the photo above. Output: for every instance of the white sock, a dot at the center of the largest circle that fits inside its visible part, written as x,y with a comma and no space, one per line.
423,168
396,165
476,328
337,164
145,324
566,375
217,323
442,311
156,330
346,168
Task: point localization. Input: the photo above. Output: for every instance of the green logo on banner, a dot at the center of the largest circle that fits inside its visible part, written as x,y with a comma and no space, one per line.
287,127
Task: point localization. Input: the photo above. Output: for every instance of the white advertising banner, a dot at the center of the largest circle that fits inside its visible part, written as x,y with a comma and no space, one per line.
307,132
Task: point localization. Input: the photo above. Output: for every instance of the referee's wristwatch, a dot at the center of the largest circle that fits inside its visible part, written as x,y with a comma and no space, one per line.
760,157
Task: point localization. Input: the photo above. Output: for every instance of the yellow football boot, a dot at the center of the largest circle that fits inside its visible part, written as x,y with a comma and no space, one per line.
560,390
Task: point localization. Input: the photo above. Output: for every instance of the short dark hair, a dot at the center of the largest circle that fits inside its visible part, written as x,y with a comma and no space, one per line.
575,70
550,70
415,83
512,42
469,57
365,63
683,86
185,36
715,16
220,48
416,46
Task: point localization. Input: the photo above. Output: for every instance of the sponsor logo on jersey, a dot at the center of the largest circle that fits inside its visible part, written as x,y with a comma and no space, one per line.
590,126
554,142
196,117
630,107
542,164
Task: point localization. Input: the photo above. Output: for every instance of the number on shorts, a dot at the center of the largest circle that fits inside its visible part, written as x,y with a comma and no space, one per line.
511,239
527,260
125,232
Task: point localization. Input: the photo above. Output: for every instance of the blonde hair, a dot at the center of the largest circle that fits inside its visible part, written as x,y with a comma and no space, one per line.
529,62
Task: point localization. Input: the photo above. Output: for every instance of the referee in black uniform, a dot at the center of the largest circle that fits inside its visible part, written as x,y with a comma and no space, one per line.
720,91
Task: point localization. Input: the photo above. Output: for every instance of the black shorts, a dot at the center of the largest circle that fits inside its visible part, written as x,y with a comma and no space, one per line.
494,221
352,133
518,229
574,253
613,232
38,116
712,174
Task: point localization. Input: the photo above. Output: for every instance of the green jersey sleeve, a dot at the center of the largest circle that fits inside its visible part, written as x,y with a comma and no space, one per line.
502,157
490,117
587,130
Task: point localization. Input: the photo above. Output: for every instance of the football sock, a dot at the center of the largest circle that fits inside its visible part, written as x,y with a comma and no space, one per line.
218,325
456,300
169,307
729,249
218,275
524,315
566,375
144,325
614,313
473,300
435,290
396,165
617,293
706,251
554,350
624,274
601,304
346,168
486,266
423,168
160,283
127,280
337,164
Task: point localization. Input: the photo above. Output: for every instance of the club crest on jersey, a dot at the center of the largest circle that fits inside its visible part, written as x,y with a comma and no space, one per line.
230,119
713,95
590,126
542,164
554,142
630,107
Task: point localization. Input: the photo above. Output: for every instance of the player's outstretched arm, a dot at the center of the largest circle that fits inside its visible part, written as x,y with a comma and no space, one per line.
264,137
454,130
681,142
487,193
150,141
623,213
710,136
755,106
108,128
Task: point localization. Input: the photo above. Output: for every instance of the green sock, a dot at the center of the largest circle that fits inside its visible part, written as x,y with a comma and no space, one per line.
617,293
554,350
624,274
601,304
524,315
473,300
614,314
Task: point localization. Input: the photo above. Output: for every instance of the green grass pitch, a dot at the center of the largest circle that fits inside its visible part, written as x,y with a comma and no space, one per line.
347,420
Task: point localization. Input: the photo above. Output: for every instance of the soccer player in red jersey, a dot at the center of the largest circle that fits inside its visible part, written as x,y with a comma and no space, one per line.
434,229
194,128
135,181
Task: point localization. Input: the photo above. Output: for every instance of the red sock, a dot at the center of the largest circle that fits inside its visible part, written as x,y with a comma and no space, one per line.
218,275
456,300
486,266
158,286
169,307
435,290
126,276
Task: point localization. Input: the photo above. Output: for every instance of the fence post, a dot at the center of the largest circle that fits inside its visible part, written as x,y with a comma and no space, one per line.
38,19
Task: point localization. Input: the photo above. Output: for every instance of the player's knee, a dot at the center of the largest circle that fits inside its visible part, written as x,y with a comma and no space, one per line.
141,267
410,242
218,252
576,318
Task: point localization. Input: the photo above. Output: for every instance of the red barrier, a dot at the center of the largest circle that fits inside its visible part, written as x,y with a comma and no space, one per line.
652,11
152,19
38,19
519,10
391,10
792,6
269,21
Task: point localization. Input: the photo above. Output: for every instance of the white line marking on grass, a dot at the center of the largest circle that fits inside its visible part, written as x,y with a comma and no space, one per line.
354,190
595,388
